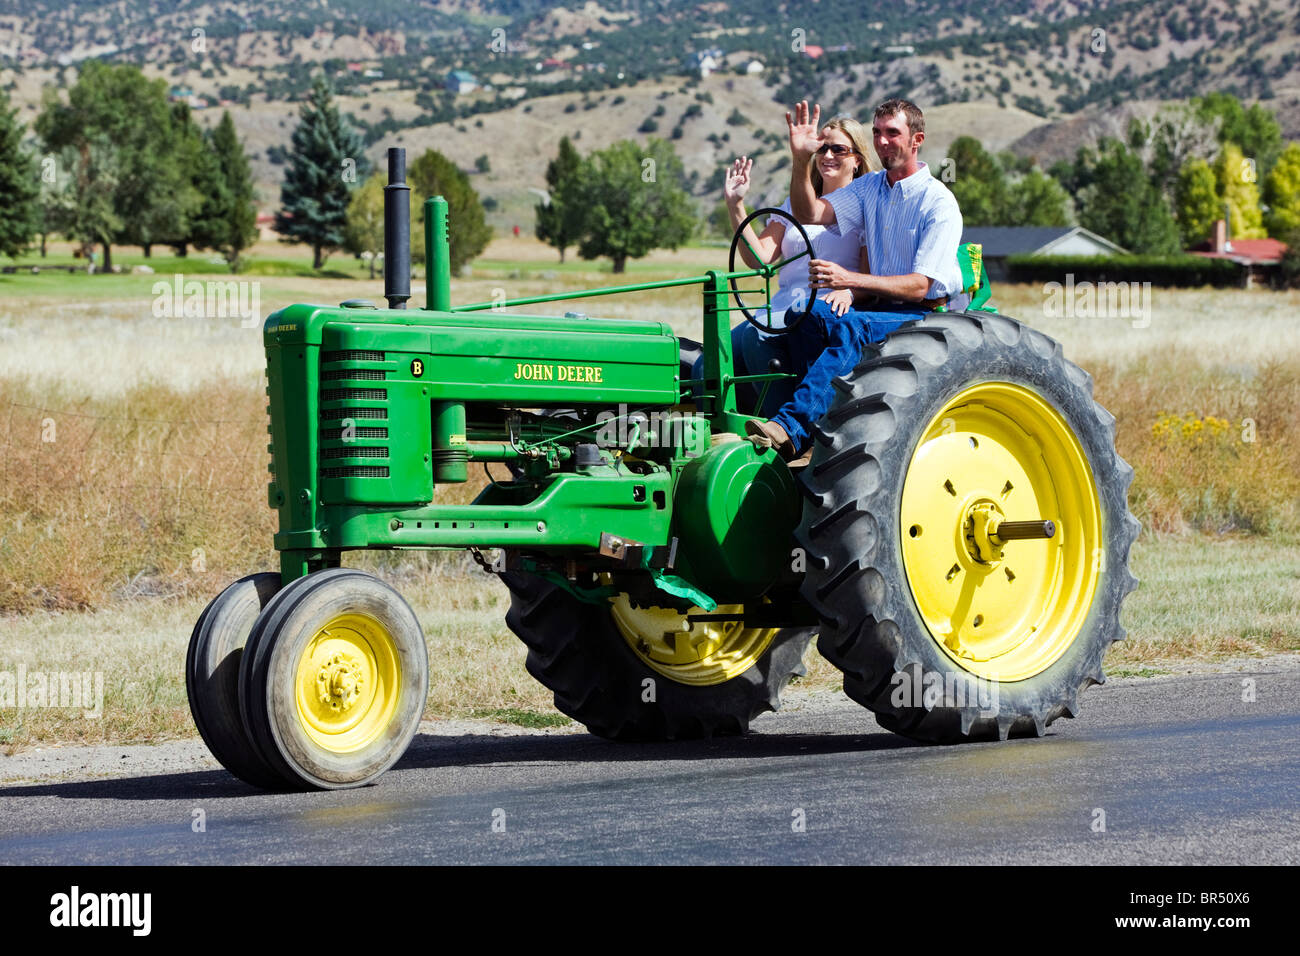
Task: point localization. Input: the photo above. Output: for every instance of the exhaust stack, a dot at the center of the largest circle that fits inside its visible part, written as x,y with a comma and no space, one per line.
397,231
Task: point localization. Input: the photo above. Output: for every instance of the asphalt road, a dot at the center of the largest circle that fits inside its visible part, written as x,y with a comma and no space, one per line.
1184,771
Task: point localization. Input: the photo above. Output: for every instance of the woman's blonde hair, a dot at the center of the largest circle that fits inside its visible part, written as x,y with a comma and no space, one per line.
857,135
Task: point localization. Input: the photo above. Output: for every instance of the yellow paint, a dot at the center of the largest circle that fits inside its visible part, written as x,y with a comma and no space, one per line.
1004,611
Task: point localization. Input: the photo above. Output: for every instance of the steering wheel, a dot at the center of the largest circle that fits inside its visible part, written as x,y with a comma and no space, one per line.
792,317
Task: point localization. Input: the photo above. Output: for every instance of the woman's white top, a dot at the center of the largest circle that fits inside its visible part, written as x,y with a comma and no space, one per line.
792,278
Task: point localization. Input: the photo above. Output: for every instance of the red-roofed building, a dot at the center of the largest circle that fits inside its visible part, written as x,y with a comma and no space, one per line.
1258,258
813,51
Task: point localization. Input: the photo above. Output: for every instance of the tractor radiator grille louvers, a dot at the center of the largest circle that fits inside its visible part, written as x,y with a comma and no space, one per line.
358,471
338,414
351,451
352,355
357,374
354,394
333,447
336,434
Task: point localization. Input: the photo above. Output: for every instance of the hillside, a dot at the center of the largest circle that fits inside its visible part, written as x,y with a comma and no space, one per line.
1036,76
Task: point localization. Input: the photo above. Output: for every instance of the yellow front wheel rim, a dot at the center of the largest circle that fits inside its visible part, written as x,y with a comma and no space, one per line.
348,683
700,653
1003,611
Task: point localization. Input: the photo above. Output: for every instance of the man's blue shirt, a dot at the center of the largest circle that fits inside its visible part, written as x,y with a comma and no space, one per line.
912,226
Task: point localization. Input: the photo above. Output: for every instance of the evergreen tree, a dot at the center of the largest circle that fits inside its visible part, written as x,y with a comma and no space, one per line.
325,160
1123,205
433,174
227,220
19,185
635,202
1283,191
559,222
1240,193
1196,201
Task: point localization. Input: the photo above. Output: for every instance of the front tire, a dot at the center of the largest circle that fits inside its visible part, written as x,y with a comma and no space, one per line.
635,674
212,666
950,426
334,680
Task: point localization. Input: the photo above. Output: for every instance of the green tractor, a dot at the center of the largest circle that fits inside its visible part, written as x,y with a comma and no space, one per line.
958,544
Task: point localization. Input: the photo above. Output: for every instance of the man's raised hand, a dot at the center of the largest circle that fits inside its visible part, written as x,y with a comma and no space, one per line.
805,140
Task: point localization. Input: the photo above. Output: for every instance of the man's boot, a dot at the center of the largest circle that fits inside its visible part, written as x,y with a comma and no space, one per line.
770,435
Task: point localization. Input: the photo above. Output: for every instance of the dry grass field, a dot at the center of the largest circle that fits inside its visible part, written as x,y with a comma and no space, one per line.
133,483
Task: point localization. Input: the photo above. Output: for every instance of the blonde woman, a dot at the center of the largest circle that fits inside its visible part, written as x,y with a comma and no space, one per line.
842,158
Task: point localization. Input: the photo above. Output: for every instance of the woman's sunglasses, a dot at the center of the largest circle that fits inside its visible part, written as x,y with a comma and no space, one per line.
836,149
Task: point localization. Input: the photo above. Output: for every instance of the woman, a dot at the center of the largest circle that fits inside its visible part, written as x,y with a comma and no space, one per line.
842,158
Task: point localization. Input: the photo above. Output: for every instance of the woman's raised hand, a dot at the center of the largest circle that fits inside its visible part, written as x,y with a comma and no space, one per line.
737,183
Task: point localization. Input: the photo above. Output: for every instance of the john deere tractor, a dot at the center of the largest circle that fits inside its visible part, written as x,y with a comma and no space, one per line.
958,544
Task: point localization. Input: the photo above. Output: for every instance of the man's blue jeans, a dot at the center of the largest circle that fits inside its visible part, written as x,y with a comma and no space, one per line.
823,346
751,353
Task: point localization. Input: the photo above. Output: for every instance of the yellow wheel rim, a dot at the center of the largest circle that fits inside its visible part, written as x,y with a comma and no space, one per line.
348,683
700,653
1004,611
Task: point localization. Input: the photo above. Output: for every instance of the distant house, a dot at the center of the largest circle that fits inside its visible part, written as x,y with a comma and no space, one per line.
1258,258
706,61
813,51
999,242
754,67
460,81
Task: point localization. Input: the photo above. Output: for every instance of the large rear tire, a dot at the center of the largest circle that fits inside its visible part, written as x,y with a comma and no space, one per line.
946,631
639,674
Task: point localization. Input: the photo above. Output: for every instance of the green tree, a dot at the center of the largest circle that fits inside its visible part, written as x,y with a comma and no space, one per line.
635,202
325,160
978,183
559,222
1123,205
227,220
1282,189
365,229
79,204
1196,201
1255,130
117,105
1035,200
1239,190
433,174
19,185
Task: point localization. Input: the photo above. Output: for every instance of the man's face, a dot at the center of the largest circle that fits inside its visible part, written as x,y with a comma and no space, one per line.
896,144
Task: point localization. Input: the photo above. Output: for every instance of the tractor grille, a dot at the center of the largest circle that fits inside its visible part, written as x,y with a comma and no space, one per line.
356,374
357,471
352,355
354,394
336,434
351,404
337,414
352,451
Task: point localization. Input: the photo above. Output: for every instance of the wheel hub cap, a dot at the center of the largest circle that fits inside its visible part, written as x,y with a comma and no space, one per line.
1003,610
690,652
348,683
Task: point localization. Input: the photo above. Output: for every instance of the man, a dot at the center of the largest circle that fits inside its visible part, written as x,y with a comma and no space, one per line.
911,228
